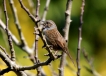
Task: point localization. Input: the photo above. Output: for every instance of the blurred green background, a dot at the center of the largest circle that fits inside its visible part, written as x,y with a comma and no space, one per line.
93,33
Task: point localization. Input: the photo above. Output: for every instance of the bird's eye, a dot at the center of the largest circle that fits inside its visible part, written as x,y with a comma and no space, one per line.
47,22
47,25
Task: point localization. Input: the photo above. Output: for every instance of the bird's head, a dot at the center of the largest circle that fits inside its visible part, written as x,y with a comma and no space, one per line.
48,25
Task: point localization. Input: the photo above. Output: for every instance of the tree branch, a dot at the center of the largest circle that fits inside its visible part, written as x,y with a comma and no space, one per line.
15,40
66,34
80,39
14,11
90,62
4,51
35,19
12,66
45,10
8,34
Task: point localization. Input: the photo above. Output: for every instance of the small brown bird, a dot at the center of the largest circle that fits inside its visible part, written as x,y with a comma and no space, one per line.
54,38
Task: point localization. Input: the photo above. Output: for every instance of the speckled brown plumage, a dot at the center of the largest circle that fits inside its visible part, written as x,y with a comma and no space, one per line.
54,38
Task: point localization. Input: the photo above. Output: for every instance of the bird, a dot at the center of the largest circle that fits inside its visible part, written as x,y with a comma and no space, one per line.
54,38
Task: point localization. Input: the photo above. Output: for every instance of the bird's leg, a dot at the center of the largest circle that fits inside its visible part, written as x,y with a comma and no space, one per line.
44,46
50,46
55,53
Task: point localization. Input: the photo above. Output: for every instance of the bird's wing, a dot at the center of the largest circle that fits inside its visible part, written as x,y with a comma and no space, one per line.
61,42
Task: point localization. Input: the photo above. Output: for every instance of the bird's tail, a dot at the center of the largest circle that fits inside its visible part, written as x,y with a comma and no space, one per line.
68,53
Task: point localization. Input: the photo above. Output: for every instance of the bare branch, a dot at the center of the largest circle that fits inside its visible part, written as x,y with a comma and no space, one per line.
36,52
4,71
5,13
80,38
90,62
5,58
11,64
19,73
66,34
14,11
67,19
37,38
45,10
39,69
4,51
13,67
35,19
25,48
3,26
8,34
37,9
23,43
47,62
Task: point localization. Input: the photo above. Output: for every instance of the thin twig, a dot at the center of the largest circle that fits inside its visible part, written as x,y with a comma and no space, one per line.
23,44
5,58
14,11
4,37
25,48
90,62
80,39
8,34
15,40
45,10
11,65
66,34
39,69
35,19
3,26
37,10
47,62
18,73
36,51
4,51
